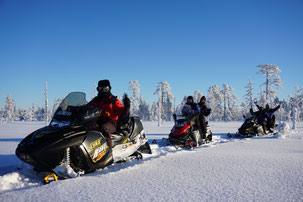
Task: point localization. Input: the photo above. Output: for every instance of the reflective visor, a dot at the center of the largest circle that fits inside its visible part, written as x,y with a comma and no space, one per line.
103,89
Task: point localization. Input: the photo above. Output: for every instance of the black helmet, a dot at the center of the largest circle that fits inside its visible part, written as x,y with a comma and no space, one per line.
103,86
190,98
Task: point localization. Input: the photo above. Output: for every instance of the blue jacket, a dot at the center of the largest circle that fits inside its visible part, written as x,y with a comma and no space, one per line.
190,109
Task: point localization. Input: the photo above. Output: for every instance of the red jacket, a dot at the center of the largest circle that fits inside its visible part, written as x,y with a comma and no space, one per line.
111,107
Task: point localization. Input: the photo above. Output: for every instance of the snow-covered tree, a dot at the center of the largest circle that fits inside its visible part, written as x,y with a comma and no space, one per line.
214,100
197,96
262,98
144,112
154,111
249,94
168,110
8,113
1,114
233,109
40,114
165,108
29,114
244,108
135,99
225,95
296,103
272,82
284,113
229,103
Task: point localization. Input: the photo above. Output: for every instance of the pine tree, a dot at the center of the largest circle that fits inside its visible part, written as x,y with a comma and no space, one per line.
249,94
169,109
233,109
29,114
40,114
296,103
270,71
197,96
229,98
8,113
165,108
262,99
154,112
135,99
144,112
214,100
225,95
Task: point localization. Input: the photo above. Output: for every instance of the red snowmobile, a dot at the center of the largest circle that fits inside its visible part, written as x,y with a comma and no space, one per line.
186,135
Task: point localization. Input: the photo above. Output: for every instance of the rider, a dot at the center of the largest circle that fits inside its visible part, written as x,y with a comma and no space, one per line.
204,111
112,109
190,108
261,117
271,119
191,111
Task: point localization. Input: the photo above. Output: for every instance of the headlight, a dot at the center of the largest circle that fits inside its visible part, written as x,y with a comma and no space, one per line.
59,124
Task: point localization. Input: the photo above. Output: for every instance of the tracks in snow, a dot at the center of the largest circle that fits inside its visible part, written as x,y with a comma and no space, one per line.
26,178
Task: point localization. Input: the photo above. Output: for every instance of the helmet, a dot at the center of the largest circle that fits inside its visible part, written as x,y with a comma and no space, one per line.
203,98
103,86
190,98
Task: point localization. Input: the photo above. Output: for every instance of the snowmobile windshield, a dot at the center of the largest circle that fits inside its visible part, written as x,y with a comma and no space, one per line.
72,110
73,99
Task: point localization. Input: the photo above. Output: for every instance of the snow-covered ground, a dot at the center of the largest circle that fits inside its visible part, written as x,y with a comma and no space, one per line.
255,169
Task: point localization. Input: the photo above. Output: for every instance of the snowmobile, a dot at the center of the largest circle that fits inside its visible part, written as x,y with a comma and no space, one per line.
185,135
249,128
69,147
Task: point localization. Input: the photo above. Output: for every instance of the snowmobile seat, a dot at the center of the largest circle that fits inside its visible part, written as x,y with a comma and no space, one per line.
123,131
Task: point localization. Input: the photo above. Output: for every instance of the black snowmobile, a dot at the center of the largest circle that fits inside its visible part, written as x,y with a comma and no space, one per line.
249,128
68,147
186,135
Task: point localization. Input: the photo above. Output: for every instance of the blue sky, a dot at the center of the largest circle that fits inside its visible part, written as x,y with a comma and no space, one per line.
190,44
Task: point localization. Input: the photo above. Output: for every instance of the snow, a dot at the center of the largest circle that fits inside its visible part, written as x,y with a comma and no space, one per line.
255,169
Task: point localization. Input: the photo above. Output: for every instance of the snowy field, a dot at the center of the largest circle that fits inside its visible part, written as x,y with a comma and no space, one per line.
255,169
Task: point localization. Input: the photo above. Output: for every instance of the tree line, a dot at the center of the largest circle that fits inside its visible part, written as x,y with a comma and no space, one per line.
221,99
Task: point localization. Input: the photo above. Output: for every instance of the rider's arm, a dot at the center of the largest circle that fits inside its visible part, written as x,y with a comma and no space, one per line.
119,108
275,109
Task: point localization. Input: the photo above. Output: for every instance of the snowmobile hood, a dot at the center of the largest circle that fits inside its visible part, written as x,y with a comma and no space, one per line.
39,145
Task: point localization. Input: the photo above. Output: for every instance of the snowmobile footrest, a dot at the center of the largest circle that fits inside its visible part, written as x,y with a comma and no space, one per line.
51,177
